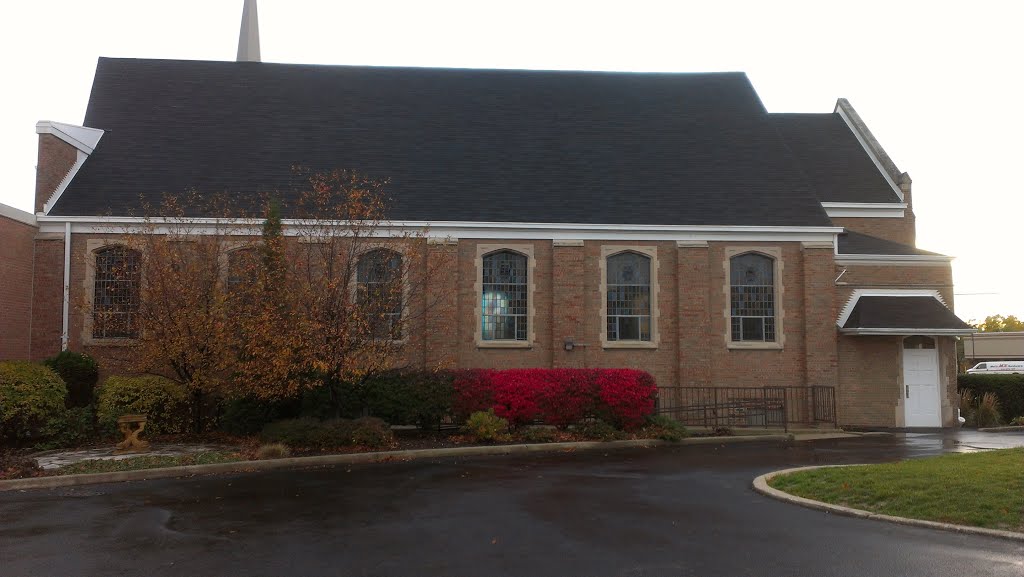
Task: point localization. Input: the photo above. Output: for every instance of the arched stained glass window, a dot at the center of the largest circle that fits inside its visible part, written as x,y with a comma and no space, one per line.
752,297
504,299
116,293
629,297
379,292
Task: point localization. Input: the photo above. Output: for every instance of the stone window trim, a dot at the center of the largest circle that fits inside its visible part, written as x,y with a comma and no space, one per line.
93,246
230,247
650,252
774,253
401,250
526,250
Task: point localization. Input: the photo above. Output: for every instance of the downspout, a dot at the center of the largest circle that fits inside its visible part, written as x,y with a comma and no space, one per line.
67,285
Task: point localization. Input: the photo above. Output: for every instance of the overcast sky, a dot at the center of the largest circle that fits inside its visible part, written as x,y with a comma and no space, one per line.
938,83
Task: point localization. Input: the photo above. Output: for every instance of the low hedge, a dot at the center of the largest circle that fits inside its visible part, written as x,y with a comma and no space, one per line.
80,373
311,433
1008,388
562,397
164,402
31,397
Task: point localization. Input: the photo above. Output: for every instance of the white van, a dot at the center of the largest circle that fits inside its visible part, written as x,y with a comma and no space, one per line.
997,368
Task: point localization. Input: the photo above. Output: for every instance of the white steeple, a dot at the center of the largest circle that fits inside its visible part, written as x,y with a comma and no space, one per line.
249,36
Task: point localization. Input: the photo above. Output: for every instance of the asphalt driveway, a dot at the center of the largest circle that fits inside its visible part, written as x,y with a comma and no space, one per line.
637,512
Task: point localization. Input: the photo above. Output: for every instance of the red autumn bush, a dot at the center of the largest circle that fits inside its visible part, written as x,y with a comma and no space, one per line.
474,391
561,397
627,395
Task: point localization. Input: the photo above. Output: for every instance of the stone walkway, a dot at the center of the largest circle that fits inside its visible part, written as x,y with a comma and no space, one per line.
64,458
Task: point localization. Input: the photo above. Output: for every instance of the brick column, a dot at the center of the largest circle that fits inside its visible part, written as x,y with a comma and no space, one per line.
441,336
820,336
48,296
694,315
567,303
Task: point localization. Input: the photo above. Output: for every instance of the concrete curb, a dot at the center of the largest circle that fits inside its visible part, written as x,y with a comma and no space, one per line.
761,486
1006,429
355,458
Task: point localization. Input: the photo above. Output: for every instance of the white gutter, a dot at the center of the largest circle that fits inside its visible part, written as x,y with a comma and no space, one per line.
453,229
67,286
887,331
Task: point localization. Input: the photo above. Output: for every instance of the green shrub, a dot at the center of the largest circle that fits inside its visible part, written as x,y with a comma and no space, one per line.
248,415
486,427
79,372
967,407
164,402
273,451
599,430
372,432
31,397
1009,389
665,428
334,433
420,398
1017,421
310,433
73,427
538,434
987,412
301,432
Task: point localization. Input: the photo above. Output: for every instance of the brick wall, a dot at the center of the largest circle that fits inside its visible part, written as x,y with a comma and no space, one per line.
693,301
55,160
900,230
48,296
16,238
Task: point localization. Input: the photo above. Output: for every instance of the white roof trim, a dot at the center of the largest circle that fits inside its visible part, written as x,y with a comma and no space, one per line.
82,156
83,138
473,229
865,209
892,259
934,332
855,297
18,215
871,153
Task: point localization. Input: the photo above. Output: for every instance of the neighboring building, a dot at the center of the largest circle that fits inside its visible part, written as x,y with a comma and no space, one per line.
1008,346
661,221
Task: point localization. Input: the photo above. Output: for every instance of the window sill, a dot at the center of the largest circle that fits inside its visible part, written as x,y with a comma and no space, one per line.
752,345
108,342
629,345
504,345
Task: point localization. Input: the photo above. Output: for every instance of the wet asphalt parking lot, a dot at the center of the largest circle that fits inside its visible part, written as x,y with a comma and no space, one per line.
675,511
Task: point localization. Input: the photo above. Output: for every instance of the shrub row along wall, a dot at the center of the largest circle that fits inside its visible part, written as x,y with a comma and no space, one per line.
561,397
1008,388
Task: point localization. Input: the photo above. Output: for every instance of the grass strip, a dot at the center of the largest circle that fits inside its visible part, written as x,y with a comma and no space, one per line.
151,462
984,489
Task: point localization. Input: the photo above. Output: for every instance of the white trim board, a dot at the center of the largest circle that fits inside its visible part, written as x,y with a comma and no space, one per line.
466,229
892,259
867,148
18,215
84,139
864,209
908,331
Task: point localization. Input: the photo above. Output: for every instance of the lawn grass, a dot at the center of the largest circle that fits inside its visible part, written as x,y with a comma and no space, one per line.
153,462
983,489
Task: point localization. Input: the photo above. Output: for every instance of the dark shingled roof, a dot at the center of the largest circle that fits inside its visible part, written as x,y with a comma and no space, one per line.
856,243
470,145
900,312
836,164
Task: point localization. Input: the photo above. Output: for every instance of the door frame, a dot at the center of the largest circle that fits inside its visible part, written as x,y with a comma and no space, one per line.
905,388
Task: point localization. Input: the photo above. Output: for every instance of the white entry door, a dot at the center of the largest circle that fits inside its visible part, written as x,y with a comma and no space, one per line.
921,383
